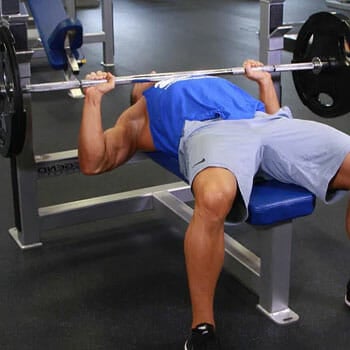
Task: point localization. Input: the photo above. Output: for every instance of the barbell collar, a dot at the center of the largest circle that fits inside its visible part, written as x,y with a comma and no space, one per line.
316,64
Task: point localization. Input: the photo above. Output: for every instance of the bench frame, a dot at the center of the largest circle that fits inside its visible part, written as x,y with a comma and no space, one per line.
268,275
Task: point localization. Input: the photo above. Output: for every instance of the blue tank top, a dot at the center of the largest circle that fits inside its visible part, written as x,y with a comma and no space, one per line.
171,102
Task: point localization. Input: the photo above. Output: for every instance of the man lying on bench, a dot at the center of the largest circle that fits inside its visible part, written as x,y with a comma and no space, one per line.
222,137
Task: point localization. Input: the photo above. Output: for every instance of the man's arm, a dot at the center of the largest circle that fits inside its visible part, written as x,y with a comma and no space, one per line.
100,150
267,92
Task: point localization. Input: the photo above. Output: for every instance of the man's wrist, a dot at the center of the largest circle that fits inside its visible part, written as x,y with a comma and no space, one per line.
265,81
93,96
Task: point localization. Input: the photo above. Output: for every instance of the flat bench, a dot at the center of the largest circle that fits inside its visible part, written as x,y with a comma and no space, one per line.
272,208
56,30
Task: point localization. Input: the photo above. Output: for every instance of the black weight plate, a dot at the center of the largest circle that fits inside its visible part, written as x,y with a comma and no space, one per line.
12,116
324,35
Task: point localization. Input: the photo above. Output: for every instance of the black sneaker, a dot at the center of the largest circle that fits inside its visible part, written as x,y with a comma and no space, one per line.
347,294
202,338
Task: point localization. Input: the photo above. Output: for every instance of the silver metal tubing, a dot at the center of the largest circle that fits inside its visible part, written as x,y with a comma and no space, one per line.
315,64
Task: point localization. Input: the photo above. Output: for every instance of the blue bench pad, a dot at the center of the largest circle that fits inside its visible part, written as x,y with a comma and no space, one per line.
271,201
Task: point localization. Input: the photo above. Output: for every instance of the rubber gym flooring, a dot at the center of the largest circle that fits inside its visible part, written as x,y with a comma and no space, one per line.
120,283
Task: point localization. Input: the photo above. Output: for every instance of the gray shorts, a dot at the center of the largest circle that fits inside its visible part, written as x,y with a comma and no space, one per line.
290,150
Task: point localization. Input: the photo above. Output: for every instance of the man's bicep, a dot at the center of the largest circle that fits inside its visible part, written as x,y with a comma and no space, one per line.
119,145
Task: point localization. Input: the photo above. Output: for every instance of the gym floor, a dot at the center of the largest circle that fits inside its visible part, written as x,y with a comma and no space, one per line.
121,283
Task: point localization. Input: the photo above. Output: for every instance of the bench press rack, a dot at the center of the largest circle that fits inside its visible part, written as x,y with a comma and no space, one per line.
275,36
106,35
272,209
339,4
15,9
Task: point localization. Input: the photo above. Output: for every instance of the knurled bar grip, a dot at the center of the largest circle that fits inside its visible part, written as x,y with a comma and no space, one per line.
316,64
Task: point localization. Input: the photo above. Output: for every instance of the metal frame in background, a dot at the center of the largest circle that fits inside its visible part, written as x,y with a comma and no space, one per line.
339,4
271,33
106,36
275,36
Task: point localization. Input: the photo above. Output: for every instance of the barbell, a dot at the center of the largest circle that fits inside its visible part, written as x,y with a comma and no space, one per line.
320,68
315,65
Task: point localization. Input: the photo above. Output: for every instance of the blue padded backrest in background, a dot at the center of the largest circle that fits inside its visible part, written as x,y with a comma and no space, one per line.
47,14
58,36
50,19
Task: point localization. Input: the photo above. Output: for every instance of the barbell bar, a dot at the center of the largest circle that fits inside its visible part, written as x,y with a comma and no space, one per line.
316,65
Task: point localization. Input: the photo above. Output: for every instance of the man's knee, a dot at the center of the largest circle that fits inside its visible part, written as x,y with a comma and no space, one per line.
216,201
342,178
214,193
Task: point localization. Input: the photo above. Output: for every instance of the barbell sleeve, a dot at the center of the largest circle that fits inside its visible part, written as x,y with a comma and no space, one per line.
316,65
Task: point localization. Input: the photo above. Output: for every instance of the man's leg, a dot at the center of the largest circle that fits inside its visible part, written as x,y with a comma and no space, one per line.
214,190
342,181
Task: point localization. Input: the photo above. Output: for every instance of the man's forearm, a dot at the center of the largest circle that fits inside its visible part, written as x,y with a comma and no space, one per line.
91,148
268,96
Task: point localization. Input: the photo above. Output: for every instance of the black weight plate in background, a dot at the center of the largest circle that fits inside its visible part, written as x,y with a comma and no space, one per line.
324,35
12,116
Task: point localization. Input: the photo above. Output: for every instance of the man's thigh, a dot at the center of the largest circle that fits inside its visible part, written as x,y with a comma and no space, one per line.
304,152
227,145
